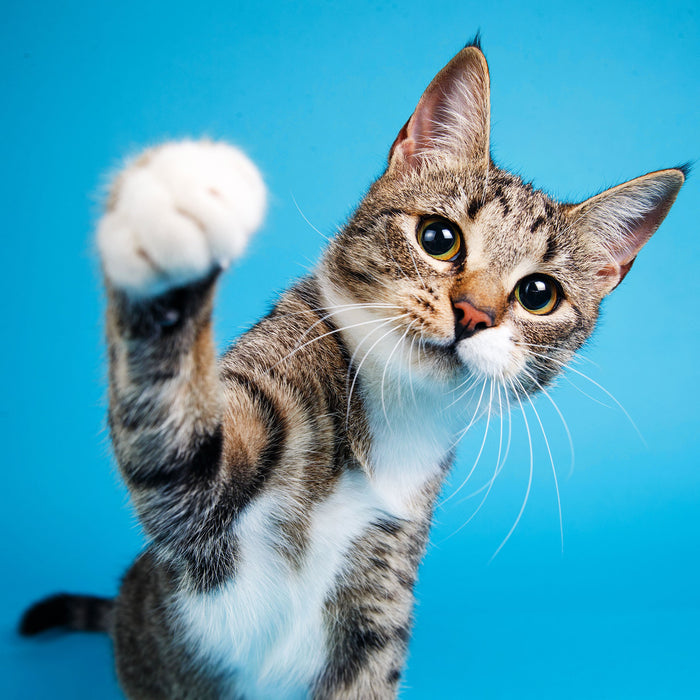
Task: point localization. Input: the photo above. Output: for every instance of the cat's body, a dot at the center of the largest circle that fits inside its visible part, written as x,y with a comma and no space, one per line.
308,530
288,488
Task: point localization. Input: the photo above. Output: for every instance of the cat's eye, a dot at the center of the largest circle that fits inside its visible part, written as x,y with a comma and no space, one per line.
538,294
440,238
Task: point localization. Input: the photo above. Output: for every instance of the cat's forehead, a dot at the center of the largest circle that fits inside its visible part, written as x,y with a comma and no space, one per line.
503,219
511,222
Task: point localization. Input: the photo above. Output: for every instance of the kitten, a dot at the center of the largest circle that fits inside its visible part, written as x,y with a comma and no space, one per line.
287,489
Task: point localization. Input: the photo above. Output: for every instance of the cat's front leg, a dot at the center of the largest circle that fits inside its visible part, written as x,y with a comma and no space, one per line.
370,668
175,217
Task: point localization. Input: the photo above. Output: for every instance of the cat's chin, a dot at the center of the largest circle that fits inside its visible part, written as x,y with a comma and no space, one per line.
490,353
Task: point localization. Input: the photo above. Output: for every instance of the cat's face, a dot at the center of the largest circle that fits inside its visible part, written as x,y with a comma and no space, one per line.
478,272
436,242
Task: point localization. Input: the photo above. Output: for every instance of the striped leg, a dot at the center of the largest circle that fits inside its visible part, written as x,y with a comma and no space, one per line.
176,217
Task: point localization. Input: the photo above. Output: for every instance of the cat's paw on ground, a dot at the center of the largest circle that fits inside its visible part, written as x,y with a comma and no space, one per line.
176,213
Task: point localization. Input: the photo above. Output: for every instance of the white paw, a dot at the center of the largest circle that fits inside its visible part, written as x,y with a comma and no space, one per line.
176,213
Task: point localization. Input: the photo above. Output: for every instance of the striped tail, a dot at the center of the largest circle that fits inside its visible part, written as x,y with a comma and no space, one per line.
78,613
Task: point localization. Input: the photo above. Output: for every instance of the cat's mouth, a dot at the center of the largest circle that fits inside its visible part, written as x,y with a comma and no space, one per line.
476,354
488,352
446,349
442,351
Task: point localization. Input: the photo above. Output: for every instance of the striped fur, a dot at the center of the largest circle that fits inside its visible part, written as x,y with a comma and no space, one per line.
287,487
82,613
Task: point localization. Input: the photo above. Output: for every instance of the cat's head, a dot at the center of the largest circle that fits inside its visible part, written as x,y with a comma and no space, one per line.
477,270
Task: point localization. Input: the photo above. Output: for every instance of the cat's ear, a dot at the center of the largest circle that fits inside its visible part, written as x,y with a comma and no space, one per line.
622,219
451,121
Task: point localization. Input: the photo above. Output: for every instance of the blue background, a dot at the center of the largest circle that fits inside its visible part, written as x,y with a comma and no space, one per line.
582,98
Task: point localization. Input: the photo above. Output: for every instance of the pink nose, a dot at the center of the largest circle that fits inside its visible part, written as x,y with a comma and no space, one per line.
469,320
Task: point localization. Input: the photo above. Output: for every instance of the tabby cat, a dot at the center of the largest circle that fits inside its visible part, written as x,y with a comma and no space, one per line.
287,488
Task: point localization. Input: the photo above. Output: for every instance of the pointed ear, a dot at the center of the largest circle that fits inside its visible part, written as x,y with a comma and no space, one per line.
622,219
451,120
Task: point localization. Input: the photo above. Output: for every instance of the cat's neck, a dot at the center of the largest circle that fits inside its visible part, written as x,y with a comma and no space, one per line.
412,413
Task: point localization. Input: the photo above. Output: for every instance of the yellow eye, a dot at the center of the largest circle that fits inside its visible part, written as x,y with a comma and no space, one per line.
538,294
440,239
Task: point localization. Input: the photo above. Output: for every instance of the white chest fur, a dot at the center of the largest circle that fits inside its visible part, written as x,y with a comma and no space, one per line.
265,629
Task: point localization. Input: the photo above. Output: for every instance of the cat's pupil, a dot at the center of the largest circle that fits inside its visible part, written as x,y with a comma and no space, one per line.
439,238
538,294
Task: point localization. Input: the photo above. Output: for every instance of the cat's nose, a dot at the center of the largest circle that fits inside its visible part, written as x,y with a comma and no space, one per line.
469,319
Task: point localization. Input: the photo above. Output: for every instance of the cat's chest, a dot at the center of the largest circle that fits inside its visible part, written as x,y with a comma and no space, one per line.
413,433
265,630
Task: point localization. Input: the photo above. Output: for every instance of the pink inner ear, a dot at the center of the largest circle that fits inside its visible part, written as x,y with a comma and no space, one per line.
429,121
640,232
419,131
400,143
627,248
613,274
452,116
626,252
625,217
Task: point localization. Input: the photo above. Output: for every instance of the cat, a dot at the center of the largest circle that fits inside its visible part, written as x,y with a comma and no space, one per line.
287,488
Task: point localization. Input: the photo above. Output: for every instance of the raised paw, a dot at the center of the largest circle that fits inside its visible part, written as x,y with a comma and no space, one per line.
178,212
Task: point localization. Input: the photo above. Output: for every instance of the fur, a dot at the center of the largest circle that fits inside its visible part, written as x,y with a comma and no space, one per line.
287,488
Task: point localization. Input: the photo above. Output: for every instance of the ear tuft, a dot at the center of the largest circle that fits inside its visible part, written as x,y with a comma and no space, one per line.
686,168
475,41
622,219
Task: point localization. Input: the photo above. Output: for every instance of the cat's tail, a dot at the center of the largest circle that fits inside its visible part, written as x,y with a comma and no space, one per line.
77,613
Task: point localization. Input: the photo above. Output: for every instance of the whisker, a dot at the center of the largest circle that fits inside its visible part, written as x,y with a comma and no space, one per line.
386,366
499,463
510,426
561,417
351,364
410,368
464,431
529,481
341,307
303,216
587,395
421,350
551,461
476,410
464,393
483,442
399,389
359,367
335,330
496,471
602,388
469,377
575,358
565,366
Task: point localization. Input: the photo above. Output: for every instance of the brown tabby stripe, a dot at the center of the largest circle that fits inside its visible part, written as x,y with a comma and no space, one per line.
189,473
